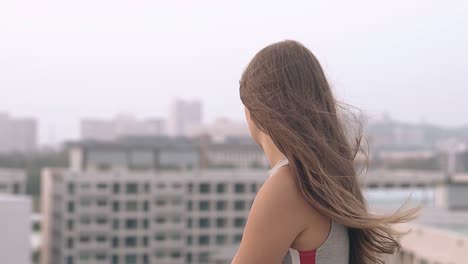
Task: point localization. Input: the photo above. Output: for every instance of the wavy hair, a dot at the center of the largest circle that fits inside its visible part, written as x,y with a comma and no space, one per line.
289,98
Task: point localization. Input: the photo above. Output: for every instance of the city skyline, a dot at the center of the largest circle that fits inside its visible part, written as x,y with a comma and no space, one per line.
121,57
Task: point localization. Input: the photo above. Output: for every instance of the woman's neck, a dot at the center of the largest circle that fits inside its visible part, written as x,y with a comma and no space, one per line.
271,151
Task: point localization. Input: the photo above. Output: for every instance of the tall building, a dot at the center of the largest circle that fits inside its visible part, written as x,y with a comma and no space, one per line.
185,117
17,134
122,125
15,227
139,202
12,181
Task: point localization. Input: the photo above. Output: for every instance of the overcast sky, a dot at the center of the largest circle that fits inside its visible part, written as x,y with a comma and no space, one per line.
63,60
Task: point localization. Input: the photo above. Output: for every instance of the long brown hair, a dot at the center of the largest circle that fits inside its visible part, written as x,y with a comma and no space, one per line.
289,98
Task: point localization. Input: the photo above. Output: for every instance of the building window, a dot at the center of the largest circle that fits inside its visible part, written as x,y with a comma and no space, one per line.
160,202
131,224
116,188
204,257
239,222
189,240
175,236
253,187
101,186
237,238
147,187
130,241
131,188
115,259
69,260
160,237
70,224
145,241
71,207
101,220
239,205
204,240
101,203
204,205
175,254
189,205
130,259
145,223
115,224
189,222
70,242
101,238
146,206
221,239
84,239
221,188
239,188
190,188
131,206
115,206
115,242
204,222
160,220
221,205
145,259
71,188
205,188
221,222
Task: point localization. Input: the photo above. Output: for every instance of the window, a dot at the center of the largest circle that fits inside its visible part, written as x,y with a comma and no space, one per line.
239,222
239,188
160,220
132,188
16,188
71,188
145,223
175,254
116,188
70,242
189,222
69,260
160,202
145,259
100,256
204,222
237,238
146,206
189,240
175,236
115,224
101,238
115,206
130,259
71,207
145,241
147,187
204,240
160,237
101,203
131,206
101,220
85,220
84,239
70,224
204,188
115,242
189,205
101,186
131,224
176,219
221,205
221,239
239,205
130,241
204,205
190,188
253,187
221,188
161,185
85,202
203,257
115,259
221,222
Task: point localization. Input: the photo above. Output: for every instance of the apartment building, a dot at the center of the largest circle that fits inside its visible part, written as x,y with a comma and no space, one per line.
12,181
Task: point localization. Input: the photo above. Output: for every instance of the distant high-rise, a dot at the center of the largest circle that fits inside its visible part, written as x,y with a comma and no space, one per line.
17,134
185,117
121,125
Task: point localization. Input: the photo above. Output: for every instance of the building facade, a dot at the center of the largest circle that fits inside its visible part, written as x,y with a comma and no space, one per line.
12,181
185,117
17,134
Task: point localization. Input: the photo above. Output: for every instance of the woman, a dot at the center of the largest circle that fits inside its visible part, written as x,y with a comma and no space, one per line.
311,209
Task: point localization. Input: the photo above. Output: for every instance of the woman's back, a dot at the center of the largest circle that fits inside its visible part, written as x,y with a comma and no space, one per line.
334,250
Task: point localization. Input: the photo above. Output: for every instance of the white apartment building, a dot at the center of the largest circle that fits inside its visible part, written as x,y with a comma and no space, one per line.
15,227
17,134
122,125
185,117
132,217
12,181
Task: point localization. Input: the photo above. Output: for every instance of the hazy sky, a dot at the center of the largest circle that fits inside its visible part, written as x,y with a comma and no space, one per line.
63,60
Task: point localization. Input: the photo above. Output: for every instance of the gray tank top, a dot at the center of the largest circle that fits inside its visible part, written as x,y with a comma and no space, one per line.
335,249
